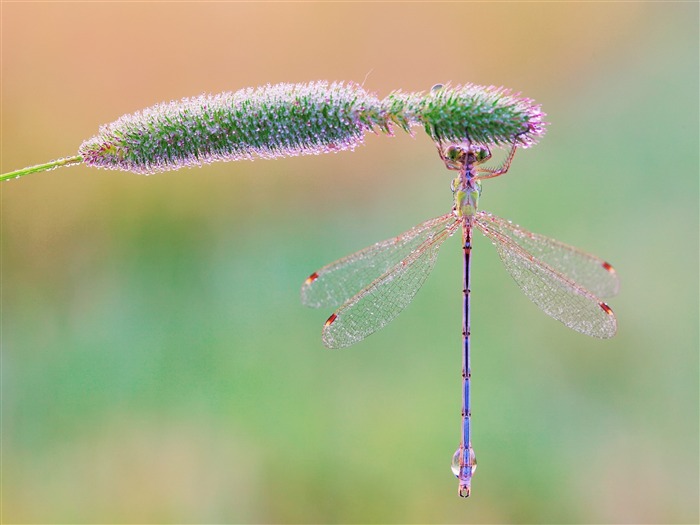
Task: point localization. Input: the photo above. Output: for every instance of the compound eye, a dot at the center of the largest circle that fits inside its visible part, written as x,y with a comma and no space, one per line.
454,153
454,157
482,153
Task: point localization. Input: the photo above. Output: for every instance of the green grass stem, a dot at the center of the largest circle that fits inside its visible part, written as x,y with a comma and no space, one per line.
67,161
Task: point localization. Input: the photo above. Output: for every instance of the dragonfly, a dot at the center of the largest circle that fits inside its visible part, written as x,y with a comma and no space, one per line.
371,287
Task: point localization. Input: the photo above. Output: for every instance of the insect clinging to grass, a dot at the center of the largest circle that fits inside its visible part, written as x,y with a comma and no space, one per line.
371,287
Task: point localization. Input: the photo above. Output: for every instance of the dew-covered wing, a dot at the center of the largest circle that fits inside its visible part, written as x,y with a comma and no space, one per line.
336,282
589,271
381,301
554,292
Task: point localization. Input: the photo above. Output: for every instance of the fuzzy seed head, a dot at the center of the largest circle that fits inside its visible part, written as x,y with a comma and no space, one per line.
272,121
286,120
485,115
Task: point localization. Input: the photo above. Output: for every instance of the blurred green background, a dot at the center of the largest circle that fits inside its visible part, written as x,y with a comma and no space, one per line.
157,365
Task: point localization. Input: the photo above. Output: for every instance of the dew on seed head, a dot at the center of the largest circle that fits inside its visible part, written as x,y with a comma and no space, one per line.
300,119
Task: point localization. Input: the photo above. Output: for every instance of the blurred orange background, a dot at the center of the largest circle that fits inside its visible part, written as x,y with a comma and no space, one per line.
157,365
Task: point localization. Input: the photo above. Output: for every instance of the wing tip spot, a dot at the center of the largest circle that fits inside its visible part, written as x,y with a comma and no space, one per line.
311,278
606,308
331,319
607,266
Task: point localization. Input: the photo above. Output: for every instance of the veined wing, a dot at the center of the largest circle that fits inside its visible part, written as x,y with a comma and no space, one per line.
384,298
589,271
336,282
555,293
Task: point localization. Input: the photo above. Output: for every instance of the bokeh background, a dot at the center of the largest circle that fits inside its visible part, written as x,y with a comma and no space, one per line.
157,365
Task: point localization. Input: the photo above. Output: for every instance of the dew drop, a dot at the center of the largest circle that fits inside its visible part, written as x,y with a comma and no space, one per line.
455,462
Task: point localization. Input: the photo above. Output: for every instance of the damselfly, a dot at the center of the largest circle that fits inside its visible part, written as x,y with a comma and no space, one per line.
374,285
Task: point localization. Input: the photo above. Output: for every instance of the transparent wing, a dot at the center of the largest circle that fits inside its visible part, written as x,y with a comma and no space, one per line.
589,271
554,293
335,283
381,301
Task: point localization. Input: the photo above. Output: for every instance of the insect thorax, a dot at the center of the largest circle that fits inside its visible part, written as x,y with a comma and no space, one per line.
466,196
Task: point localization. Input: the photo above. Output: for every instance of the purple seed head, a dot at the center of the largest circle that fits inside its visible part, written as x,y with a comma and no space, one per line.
486,115
299,119
268,122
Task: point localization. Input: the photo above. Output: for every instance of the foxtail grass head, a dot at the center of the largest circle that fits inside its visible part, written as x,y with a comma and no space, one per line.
273,121
491,116
487,115
285,120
